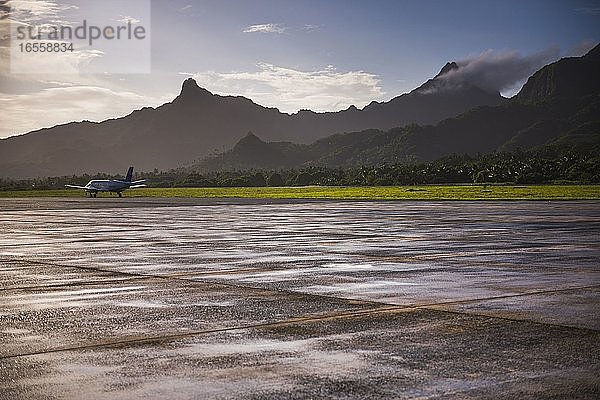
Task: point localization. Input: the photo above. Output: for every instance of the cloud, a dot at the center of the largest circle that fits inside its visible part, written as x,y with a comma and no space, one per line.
37,10
185,8
502,71
48,107
56,88
4,10
291,90
311,27
127,19
265,28
67,63
43,15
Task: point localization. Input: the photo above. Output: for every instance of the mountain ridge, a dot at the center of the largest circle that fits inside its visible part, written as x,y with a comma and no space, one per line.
198,123
565,116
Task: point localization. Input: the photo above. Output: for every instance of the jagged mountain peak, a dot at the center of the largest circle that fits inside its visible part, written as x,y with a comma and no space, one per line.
198,122
190,88
445,83
249,142
450,66
566,78
250,138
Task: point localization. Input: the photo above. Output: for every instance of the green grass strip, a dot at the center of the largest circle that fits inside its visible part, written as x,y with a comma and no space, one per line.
442,192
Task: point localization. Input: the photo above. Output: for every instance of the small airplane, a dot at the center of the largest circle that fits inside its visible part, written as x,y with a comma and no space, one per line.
113,185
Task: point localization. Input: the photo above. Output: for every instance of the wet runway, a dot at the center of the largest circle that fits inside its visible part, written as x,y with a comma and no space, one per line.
192,298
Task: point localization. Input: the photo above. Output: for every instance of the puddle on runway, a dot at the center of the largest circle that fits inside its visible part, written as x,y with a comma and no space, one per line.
398,252
228,270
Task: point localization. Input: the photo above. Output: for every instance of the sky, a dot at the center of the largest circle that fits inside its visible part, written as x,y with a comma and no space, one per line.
303,54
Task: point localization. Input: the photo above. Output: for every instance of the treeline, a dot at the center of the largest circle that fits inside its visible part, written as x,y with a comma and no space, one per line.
518,168
52,182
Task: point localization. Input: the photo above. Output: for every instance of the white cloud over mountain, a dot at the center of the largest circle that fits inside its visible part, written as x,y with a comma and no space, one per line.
265,28
291,90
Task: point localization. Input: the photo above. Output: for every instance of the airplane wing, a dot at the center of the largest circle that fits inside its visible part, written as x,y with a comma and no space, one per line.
137,186
76,187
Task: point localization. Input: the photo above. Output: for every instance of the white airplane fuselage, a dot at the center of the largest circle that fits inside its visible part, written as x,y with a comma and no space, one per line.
113,185
108,185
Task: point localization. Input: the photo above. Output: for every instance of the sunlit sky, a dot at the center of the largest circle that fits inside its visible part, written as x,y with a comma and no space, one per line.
320,55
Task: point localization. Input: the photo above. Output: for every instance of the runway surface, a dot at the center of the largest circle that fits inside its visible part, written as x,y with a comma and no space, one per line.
272,299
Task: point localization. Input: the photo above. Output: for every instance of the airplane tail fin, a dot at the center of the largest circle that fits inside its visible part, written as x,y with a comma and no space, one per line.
129,174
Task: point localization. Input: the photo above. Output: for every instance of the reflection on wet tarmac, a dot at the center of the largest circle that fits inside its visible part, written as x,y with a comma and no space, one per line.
82,280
